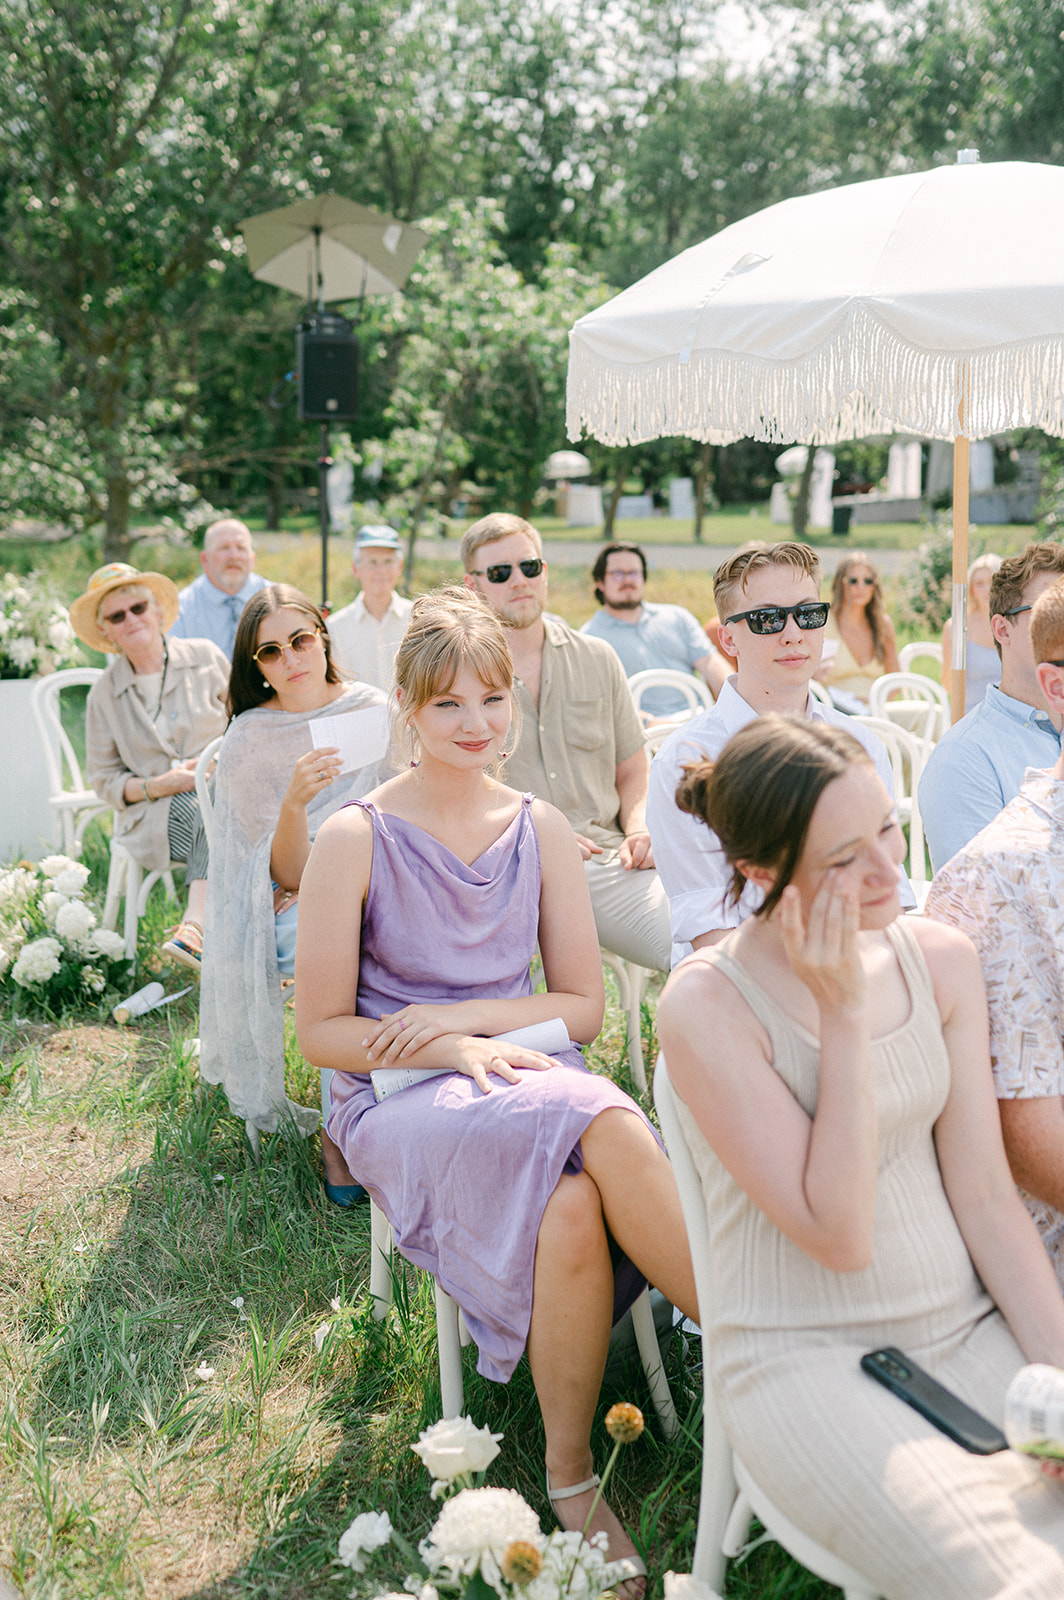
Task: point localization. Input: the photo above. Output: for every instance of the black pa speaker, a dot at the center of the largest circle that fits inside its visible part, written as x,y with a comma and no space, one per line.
327,366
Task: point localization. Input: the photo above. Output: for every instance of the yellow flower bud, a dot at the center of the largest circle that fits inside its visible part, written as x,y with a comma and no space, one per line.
521,1562
624,1422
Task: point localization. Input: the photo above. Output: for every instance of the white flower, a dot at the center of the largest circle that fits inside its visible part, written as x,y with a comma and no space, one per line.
52,866
454,1446
37,961
5,961
51,904
80,1249
574,1566
239,1303
204,1373
74,921
474,1529
684,1586
421,1591
60,634
16,886
93,979
336,1303
368,1532
321,1333
105,942
23,651
72,879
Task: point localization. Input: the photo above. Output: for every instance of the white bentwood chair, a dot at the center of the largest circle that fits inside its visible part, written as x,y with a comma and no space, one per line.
76,805
693,689
908,755
452,1333
917,651
922,706
730,1496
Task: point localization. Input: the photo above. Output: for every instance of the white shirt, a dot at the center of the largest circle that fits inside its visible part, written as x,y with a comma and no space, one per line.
364,648
687,854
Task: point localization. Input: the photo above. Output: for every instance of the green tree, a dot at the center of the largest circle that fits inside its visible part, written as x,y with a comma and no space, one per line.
132,138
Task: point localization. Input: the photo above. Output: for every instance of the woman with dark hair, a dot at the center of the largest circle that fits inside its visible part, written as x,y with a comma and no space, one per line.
273,790
534,1190
833,1062
860,629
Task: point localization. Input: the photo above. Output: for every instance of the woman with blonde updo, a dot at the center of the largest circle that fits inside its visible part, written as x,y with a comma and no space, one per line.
982,656
509,1175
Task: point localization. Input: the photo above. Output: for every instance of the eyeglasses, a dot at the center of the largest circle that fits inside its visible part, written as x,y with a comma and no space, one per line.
267,655
772,619
869,583
1017,609
137,609
501,574
624,572
1051,663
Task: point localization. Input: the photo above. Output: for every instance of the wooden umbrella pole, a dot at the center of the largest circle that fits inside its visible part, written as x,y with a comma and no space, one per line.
959,611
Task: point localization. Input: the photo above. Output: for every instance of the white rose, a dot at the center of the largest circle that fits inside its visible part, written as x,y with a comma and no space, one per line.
72,879
51,904
105,942
74,921
52,866
37,961
454,1446
368,1532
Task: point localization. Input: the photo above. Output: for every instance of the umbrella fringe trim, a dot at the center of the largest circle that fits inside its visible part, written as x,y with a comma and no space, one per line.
718,396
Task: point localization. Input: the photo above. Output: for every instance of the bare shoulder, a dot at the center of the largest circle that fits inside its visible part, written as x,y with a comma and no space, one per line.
705,1025
554,830
348,831
951,957
699,982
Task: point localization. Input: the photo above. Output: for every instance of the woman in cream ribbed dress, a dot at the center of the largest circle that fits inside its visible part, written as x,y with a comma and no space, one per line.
834,1068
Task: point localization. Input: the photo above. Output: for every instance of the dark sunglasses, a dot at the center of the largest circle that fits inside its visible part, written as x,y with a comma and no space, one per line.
869,583
500,574
137,609
1016,610
772,619
269,654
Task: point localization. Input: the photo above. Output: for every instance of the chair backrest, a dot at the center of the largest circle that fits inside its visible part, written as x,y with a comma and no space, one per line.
922,705
913,652
655,736
908,754
60,759
203,793
819,692
693,689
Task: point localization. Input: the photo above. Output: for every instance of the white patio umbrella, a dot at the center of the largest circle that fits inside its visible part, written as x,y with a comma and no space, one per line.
329,248
930,303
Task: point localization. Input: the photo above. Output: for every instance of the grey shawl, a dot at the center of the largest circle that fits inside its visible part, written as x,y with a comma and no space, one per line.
241,1014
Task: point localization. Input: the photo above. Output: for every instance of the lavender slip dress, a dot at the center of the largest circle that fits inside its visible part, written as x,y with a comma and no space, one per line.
464,1177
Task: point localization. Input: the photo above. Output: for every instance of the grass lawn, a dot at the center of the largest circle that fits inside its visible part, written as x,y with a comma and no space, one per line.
132,1221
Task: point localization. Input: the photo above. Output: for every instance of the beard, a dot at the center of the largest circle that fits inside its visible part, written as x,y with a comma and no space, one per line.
625,605
528,618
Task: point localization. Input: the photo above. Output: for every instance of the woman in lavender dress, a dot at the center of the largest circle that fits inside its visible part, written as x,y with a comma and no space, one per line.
511,1176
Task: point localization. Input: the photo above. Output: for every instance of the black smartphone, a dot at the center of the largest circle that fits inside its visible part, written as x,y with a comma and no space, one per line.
901,1375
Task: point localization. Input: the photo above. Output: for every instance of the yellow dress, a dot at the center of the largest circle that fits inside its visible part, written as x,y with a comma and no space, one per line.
845,671
846,1460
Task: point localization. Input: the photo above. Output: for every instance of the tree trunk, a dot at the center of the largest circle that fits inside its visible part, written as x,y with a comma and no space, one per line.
117,541
615,494
702,477
800,514
274,497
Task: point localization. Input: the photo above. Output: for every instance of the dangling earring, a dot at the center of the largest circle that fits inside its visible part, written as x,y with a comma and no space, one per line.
415,749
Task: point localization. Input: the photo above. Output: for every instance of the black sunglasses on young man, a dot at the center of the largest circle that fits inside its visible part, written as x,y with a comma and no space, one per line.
772,619
501,574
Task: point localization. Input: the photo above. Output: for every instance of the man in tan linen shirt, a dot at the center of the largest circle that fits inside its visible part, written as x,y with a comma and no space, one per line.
580,744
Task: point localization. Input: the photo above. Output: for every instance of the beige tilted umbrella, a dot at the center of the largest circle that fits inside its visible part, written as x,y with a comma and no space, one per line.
929,303
328,248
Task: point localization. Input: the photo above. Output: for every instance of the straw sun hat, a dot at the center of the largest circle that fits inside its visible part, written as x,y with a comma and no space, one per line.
119,575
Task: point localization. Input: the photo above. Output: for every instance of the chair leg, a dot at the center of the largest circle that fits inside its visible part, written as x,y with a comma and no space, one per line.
116,882
380,1261
637,980
133,880
449,1347
737,1526
646,1339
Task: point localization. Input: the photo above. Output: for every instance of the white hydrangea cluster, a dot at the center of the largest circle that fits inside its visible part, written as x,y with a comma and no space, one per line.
35,632
37,961
575,1567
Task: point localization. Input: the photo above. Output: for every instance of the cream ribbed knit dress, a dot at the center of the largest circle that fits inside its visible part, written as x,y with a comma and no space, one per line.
850,1463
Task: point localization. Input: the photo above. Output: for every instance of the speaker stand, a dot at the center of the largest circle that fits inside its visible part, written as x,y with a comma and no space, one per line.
324,463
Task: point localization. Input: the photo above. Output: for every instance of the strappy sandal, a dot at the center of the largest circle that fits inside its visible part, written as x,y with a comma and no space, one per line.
631,1567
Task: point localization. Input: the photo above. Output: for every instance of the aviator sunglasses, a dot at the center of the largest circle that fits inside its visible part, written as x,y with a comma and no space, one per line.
269,654
137,609
500,574
772,619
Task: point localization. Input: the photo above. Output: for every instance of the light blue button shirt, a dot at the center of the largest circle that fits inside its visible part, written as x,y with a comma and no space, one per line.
663,636
977,767
207,612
